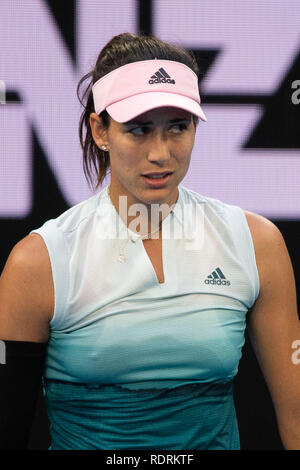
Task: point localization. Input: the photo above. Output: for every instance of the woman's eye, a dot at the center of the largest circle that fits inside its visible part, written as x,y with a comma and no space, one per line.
139,130
178,128
142,130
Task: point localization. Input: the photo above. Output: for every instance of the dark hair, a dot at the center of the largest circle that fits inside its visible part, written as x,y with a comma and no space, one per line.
120,50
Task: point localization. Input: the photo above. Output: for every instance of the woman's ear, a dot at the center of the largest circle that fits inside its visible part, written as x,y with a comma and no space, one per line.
99,131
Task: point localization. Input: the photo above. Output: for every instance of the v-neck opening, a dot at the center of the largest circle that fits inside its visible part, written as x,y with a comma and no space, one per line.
152,265
134,237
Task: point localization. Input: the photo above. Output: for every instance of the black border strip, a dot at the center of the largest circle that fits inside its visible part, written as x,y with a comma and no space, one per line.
144,16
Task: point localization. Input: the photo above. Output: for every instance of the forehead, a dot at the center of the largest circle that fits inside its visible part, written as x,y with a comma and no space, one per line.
162,114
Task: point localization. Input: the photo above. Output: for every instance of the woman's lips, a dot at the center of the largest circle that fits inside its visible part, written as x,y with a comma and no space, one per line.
156,182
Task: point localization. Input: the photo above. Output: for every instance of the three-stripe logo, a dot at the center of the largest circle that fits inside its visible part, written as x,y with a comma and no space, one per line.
161,76
217,278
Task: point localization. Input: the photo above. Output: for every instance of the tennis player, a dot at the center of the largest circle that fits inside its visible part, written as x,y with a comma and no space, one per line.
131,306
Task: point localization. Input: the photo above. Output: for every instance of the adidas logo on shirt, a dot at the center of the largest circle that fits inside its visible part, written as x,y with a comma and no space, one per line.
217,278
161,76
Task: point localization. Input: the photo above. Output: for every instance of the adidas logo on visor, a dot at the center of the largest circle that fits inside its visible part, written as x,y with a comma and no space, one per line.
161,76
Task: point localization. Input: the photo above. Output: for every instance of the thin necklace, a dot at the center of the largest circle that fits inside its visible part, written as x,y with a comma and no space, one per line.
149,234
122,257
142,237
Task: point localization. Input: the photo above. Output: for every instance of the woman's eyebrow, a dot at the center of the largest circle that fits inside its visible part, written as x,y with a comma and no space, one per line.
180,120
137,123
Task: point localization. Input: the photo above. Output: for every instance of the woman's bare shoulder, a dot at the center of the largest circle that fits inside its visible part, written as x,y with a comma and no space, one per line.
31,248
262,229
30,258
270,248
26,291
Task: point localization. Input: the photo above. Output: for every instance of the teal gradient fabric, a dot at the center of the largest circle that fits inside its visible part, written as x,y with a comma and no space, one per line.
194,416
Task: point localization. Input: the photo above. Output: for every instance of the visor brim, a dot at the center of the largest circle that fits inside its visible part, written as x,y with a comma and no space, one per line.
133,106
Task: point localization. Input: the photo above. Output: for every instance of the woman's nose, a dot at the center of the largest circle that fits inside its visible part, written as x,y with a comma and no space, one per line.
159,150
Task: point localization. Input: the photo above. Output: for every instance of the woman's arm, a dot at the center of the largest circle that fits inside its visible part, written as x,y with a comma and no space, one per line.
274,326
26,306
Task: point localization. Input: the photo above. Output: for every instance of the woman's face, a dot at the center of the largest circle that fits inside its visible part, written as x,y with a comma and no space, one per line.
158,142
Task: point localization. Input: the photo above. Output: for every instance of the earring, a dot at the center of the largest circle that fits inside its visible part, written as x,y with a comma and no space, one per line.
103,147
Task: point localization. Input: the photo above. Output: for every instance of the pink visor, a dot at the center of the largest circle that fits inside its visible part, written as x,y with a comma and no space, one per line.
138,87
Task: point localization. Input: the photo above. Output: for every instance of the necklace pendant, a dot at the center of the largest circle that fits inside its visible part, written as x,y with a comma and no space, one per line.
122,259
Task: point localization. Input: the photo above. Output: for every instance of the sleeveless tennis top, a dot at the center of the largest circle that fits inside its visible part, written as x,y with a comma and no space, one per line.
137,364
